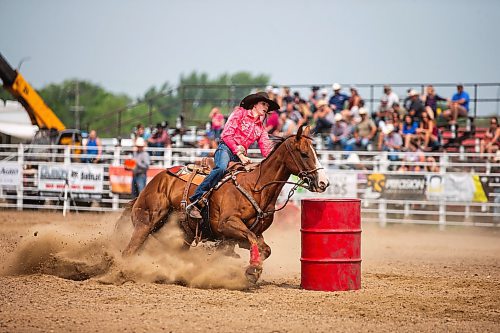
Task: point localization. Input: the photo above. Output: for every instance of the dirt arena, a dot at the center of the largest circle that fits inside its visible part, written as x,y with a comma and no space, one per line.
66,275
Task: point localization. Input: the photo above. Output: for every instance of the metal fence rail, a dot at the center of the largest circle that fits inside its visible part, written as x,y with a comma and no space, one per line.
351,175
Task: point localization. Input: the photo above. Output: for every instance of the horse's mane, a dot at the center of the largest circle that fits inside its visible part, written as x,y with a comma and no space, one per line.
278,140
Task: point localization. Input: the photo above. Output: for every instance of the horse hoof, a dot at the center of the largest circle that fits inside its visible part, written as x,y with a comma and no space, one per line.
252,274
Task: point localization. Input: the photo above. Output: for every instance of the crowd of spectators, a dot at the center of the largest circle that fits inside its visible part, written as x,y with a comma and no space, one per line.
344,123
404,127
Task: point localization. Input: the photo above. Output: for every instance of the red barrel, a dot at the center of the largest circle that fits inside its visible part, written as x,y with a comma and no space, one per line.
331,244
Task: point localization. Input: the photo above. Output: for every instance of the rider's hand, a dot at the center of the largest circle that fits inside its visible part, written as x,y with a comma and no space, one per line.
244,159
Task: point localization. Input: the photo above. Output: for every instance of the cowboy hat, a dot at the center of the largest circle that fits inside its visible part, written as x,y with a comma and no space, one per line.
252,99
321,103
139,142
336,86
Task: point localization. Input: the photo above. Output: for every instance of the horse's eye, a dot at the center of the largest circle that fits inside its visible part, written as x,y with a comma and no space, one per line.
304,155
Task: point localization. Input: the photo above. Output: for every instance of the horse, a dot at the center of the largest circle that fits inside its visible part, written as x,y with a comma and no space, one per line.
241,209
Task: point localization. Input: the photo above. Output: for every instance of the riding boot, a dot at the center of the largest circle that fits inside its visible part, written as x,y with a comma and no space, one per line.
194,210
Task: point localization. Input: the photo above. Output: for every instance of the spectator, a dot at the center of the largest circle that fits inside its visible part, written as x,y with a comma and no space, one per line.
382,114
431,164
390,96
428,133
139,132
431,100
324,95
355,100
287,97
491,139
313,98
416,106
407,100
217,119
276,97
288,125
142,162
207,142
400,110
413,157
159,139
340,134
93,148
396,121
393,142
409,130
273,123
338,100
365,131
324,118
459,105
293,114
305,112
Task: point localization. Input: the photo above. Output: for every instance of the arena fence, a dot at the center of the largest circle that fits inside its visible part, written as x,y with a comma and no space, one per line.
449,188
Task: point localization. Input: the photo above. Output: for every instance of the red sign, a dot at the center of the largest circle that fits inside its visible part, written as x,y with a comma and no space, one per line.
121,178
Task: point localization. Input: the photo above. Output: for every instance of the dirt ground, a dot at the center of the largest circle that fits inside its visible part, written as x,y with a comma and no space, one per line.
66,275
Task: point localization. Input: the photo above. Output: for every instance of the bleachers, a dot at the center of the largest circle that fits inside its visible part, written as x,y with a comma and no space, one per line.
467,137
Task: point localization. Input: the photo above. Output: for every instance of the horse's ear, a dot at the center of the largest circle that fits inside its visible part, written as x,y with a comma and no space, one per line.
307,131
299,133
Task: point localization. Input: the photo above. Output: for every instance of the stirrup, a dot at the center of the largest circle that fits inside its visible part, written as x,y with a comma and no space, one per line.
193,210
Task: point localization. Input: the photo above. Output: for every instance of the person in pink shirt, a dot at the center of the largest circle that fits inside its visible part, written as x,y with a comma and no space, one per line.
217,122
243,128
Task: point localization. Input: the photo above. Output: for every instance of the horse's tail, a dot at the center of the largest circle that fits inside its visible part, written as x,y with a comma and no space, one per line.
125,217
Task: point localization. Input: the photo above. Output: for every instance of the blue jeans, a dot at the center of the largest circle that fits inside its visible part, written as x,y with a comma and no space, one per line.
138,184
223,155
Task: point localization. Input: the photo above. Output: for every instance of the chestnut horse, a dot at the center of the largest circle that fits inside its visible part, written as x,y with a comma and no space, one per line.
232,215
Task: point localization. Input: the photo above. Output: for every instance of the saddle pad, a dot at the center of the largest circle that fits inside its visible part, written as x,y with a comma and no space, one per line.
183,173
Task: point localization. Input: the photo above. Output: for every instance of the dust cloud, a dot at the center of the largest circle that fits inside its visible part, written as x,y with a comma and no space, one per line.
78,252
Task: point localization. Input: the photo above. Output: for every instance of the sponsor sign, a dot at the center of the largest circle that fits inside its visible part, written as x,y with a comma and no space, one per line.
11,174
121,178
84,179
455,187
342,185
395,187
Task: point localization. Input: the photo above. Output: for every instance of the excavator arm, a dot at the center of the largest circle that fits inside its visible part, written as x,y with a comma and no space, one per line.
40,114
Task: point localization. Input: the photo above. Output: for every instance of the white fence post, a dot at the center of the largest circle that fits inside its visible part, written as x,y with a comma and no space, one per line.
167,158
20,187
382,206
442,214
115,203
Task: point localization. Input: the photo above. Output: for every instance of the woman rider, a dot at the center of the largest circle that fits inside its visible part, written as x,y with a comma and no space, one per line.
243,128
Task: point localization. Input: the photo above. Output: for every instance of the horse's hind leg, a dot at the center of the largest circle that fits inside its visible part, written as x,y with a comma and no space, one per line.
145,220
139,235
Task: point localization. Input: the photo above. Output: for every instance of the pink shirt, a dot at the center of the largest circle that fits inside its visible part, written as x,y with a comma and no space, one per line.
217,121
243,129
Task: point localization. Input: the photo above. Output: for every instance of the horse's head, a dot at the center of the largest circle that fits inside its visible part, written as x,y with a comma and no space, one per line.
304,161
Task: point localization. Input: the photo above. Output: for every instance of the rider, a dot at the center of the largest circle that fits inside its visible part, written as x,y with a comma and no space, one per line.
243,128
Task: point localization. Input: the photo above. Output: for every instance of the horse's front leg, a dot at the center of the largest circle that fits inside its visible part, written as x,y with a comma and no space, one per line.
233,227
265,250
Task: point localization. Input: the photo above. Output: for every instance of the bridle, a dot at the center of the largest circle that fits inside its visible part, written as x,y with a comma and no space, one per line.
304,173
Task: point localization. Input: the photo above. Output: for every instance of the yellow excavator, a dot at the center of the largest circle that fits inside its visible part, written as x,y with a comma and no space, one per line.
51,129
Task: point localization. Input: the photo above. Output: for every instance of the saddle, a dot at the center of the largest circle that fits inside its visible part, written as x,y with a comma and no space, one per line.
195,173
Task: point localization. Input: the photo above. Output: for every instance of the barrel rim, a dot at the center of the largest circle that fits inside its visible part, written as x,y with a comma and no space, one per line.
331,199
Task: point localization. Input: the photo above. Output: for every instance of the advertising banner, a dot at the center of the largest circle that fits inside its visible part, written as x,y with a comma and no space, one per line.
395,187
463,187
342,185
80,179
11,174
121,178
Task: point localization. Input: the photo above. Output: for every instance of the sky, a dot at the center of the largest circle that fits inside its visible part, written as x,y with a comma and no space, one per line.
128,46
